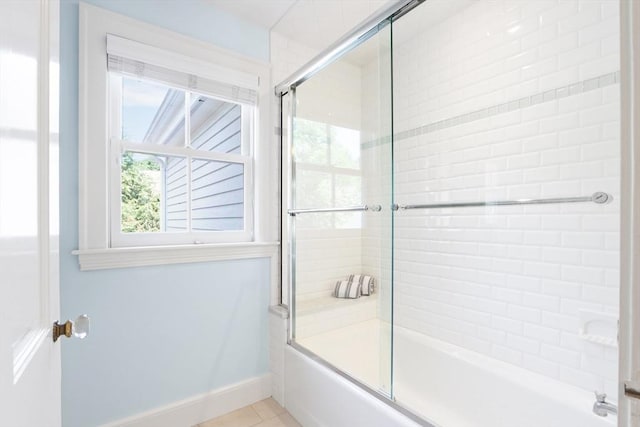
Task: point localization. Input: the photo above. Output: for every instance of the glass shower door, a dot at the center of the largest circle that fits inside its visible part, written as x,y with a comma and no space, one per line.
506,246
339,213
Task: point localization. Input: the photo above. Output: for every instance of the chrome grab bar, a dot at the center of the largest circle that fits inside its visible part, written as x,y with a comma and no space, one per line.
599,197
373,208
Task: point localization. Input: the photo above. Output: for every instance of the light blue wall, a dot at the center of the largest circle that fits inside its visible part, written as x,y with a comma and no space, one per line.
159,334
194,18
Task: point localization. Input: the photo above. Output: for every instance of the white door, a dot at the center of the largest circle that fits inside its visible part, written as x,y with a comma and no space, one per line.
29,360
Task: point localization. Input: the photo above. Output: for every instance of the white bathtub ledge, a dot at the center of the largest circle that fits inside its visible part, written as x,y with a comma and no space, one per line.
318,397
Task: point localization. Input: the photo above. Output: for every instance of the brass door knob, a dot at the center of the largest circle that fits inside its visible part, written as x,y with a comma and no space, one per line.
79,328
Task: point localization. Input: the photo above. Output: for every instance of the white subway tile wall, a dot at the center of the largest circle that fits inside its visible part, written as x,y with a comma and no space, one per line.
324,257
500,100
504,100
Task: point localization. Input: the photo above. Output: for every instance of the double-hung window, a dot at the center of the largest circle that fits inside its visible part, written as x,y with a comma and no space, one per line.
175,157
180,145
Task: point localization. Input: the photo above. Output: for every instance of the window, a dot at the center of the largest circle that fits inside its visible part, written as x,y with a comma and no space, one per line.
173,153
181,170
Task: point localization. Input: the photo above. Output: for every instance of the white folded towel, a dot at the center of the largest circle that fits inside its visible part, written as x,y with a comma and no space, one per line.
346,289
367,283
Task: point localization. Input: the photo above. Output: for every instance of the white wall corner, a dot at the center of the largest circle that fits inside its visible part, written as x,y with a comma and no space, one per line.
203,407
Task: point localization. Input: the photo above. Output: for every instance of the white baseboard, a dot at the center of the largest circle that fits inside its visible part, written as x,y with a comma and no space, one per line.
200,408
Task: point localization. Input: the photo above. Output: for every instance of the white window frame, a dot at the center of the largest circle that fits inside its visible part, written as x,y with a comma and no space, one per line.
118,146
97,247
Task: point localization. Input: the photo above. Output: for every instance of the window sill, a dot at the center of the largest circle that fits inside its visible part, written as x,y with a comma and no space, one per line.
100,259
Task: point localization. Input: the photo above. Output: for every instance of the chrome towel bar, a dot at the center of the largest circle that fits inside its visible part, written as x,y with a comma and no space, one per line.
599,197
373,208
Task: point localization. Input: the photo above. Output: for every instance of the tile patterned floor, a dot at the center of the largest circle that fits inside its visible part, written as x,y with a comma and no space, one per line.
266,413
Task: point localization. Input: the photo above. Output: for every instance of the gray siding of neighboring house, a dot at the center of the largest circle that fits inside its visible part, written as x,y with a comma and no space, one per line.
217,188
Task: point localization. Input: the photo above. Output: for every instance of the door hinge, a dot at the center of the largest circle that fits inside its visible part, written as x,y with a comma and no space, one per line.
632,389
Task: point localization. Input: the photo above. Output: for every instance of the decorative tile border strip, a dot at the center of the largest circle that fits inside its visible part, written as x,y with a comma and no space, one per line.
528,101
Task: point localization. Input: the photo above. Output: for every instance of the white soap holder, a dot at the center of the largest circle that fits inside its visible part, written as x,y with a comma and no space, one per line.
599,328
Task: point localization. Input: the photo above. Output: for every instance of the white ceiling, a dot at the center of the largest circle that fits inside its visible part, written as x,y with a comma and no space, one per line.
265,13
314,23
319,23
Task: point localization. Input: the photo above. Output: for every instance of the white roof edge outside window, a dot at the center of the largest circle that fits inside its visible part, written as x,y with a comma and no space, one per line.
141,60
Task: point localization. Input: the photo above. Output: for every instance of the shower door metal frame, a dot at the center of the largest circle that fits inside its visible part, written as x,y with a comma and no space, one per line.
629,351
287,171
291,220
359,35
288,218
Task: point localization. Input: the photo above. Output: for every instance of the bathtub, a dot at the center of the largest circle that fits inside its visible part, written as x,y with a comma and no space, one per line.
454,387
448,386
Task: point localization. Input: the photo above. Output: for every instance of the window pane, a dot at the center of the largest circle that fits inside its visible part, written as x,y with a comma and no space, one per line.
311,142
152,113
348,192
175,207
215,125
314,190
153,193
141,189
217,201
345,147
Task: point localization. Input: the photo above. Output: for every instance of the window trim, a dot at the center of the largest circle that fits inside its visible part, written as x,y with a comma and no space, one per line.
118,146
94,147
98,259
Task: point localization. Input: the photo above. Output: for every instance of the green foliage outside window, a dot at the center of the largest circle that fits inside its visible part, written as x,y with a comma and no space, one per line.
140,195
